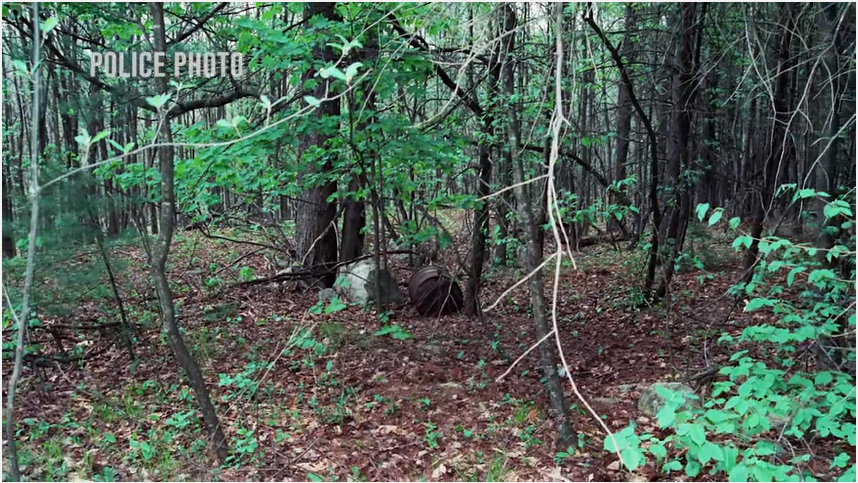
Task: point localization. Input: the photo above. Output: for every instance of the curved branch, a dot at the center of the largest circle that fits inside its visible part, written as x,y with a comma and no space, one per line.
420,44
653,142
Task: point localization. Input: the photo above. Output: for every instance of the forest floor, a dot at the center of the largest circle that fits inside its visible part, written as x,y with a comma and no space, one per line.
344,404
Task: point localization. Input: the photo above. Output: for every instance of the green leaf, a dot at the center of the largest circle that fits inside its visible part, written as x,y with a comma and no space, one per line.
837,208
735,222
792,273
20,66
840,461
395,332
756,303
658,450
116,145
692,468
158,101
352,70
335,306
731,454
745,240
49,25
697,433
848,476
312,101
739,473
620,439
83,139
314,477
715,416
804,193
401,335
332,71
763,472
716,216
710,451
823,378
819,277
674,465
701,210
98,137
665,416
633,458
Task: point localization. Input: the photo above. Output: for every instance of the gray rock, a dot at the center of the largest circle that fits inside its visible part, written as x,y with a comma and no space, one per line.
650,402
327,294
358,284
433,348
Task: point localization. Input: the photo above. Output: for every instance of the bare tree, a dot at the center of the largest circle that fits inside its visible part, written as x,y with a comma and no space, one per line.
547,356
161,250
23,317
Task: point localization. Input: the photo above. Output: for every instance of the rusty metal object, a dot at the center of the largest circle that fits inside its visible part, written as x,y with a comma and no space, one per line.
434,292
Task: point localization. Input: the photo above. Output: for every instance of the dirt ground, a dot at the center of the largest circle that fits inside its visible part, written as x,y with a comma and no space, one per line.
345,404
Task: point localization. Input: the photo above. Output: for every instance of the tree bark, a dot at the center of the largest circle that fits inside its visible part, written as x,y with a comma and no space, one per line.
354,209
684,90
161,251
23,317
826,171
316,237
536,284
624,112
484,179
778,132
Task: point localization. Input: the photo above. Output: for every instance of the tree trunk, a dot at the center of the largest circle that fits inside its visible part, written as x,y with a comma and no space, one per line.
316,237
484,179
780,119
534,260
354,209
684,89
826,171
161,251
624,112
148,163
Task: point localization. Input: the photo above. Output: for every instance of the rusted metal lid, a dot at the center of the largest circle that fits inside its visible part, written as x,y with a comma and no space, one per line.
434,292
420,276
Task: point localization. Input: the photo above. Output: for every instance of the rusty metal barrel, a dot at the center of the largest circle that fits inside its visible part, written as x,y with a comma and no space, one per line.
434,292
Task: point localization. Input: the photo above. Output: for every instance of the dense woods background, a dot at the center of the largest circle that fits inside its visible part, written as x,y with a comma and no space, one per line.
595,176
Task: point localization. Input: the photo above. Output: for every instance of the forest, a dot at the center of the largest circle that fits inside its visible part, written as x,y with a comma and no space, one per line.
428,241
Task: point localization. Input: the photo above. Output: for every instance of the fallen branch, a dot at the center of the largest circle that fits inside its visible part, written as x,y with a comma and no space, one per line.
37,360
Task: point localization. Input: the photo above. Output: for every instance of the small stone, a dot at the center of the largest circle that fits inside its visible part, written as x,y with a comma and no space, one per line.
606,400
433,348
614,466
327,294
651,402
